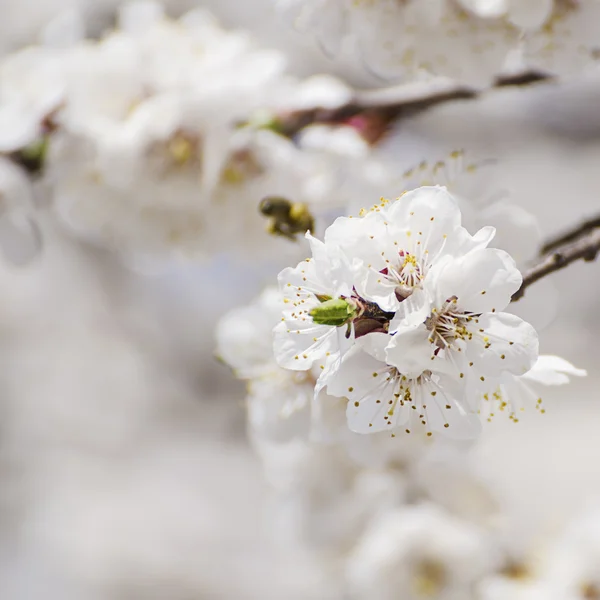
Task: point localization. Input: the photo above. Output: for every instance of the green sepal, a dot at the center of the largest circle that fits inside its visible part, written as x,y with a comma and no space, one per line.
335,312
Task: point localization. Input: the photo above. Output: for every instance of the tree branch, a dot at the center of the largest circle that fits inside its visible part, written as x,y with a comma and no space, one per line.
570,236
385,105
583,243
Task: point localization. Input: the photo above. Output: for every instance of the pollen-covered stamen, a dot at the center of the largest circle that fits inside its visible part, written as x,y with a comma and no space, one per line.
406,273
448,324
402,400
430,577
409,271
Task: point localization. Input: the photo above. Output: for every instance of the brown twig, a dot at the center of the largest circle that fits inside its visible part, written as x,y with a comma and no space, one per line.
581,244
386,105
570,236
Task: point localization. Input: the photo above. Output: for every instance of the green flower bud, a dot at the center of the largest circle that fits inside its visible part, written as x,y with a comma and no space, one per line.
335,312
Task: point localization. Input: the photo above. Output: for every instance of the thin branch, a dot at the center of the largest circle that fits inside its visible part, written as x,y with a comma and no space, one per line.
581,246
388,104
570,236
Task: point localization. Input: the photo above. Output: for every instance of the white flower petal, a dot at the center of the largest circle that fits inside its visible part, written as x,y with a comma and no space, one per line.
412,311
375,344
553,370
430,214
501,342
410,351
482,280
299,344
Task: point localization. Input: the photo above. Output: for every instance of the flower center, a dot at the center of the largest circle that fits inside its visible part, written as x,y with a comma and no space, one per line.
430,578
448,325
407,274
590,591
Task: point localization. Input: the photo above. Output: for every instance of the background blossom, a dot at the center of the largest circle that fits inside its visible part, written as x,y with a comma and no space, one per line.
133,462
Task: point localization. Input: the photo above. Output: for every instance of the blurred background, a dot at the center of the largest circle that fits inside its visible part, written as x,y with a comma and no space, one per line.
125,469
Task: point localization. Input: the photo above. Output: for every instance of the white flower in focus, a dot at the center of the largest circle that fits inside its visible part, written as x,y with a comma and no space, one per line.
420,552
377,450
471,182
402,241
316,324
409,329
411,398
464,326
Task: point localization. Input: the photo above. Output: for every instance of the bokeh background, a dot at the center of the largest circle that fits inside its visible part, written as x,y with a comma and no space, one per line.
124,467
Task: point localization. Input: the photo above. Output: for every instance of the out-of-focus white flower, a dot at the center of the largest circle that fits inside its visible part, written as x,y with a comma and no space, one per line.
20,237
501,588
323,499
447,476
152,132
512,395
572,568
468,40
420,551
279,404
32,88
278,400
403,39
563,39
148,152
244,335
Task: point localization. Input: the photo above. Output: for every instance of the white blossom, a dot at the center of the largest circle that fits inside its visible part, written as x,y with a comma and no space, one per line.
420,551
572,567
468,40
278,400
563,39
300,341
402,241
323,499
408,339
32,88
156,144
20,236
464,325
384,398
